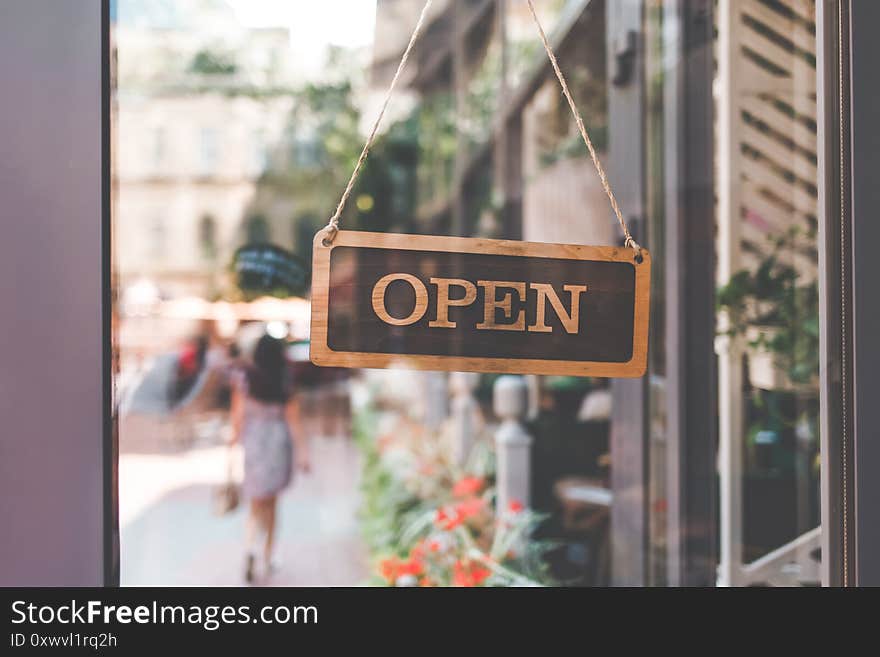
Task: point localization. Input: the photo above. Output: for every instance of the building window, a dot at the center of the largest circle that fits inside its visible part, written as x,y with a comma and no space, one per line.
257,230
208,237
305,152
208,151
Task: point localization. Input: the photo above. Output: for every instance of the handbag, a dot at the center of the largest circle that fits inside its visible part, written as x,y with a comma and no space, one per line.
227,496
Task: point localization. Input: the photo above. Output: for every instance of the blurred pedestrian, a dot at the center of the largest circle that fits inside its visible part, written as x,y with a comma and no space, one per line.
190,361
233,366
265,418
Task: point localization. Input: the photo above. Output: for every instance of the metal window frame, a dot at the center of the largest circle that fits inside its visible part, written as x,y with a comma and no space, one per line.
110,437
628,437
835,446
689,262
691,374
851,309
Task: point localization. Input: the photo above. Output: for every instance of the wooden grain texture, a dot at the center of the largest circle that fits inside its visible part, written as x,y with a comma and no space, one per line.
608,337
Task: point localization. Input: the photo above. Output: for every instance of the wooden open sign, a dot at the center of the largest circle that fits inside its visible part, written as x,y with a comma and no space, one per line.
471,304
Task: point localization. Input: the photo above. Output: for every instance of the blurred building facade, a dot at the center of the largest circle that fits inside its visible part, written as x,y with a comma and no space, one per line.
200,117
187,181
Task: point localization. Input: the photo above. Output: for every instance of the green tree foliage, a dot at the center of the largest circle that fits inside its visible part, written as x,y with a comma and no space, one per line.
775,295
324,141
209,62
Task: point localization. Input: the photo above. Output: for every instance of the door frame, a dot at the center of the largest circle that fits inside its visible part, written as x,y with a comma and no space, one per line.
864,98
850,310
57,467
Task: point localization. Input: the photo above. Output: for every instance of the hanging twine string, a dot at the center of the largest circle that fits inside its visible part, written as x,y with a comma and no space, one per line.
333,225
628,238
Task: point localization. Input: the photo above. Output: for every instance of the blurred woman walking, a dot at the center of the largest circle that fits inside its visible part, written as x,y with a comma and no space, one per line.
265,418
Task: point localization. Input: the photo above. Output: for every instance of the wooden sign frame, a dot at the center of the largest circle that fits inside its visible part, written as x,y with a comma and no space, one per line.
322,354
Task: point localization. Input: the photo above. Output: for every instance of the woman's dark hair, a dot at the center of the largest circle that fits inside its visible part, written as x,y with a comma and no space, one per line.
267,377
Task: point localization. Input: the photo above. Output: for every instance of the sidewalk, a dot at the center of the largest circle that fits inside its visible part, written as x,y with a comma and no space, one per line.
170,536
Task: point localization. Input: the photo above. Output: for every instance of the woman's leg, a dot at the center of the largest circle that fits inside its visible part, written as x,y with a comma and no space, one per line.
261,526
253,530
253,527
270,506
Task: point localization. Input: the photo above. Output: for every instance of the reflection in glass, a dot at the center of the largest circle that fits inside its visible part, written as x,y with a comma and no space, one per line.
768,293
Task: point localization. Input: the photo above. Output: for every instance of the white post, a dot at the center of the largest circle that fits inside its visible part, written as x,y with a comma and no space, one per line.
436,399
512,442
730,406
464,411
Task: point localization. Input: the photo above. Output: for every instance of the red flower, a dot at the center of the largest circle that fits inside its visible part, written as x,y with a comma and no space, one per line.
470,508
418,551
467,486
426,581
411,567
446,520
390,569
434,546
515,506
469,573
449,519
